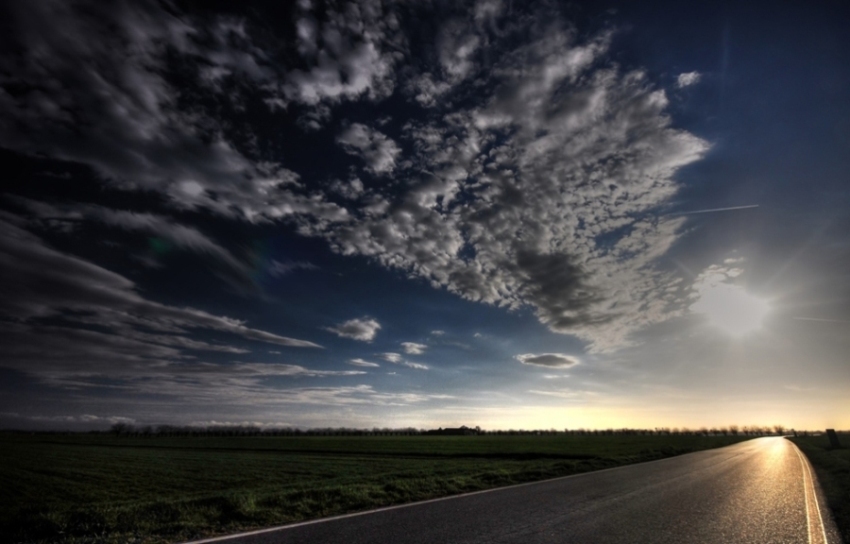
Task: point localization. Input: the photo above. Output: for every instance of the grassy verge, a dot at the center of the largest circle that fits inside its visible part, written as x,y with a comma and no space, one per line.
833,470
101,488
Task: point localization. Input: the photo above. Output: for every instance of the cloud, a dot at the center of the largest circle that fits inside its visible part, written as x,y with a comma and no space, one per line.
178,235
456,47
266,369
425,90
64,315
361,362
397,359
352,395
378,151
534,181
244,423
437,333
392,357
278,269
459,43
687,79
541,191
548,360
346,54
564,394
40,282
369,68
82,418
97,93
821,320
208,391
363,329
246,386
412,348
352,189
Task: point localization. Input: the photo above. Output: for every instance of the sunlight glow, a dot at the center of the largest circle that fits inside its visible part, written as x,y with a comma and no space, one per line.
729,307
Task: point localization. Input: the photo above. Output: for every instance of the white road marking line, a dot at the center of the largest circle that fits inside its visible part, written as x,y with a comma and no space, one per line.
809,490
805,497
815,497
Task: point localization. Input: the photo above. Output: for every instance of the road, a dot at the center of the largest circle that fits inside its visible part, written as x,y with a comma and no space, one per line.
755,492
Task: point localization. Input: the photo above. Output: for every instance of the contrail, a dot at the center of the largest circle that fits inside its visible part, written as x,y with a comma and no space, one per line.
820,319
712,210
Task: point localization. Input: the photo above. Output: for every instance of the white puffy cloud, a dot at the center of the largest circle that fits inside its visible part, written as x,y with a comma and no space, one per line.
363,329
687,79
541,192
456,47
350,53
548,360
426,90
351,189
392,357
377,151
369,71
412,348
457,44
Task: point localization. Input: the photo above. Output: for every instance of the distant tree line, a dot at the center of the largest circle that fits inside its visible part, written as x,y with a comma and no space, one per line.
126,429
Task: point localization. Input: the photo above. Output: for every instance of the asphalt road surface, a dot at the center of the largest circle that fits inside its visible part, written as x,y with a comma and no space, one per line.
759,491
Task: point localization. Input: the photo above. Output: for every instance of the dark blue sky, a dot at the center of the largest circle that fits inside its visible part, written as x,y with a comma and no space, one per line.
385,214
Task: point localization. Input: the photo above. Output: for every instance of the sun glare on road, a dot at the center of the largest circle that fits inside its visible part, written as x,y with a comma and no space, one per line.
729,307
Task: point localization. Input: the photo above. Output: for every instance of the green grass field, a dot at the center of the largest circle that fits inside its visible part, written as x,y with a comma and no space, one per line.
833,471
105,488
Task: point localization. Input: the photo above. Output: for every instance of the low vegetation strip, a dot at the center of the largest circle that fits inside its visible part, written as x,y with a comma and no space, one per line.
97,488
832,466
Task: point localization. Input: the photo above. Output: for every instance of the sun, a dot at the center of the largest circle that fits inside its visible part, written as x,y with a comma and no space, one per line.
730,308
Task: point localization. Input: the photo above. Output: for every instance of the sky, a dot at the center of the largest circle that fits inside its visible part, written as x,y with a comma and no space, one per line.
538,215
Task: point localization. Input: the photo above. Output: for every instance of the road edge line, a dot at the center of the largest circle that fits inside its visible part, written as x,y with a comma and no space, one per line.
805,494
804,462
